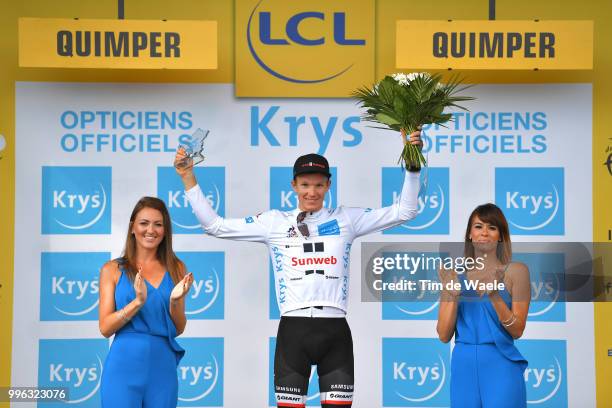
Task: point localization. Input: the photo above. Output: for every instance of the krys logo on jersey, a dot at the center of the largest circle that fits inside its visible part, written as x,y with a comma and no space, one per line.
278,41
282,196
69,285
200,373
75,364
170,189
433,205
274,311
546,376
76,200
416,373
205,300
547,276
532,199
313,398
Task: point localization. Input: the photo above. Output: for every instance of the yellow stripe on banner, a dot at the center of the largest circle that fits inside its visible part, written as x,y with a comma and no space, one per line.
141,44
7,221
603,353
493,45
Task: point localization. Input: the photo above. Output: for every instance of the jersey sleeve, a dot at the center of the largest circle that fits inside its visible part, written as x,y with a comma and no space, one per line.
254,228
366,221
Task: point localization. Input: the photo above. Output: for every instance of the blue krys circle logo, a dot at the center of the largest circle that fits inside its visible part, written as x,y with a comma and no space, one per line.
420,303
76,200
70,285
205,300
433,202
211,286
547,279
282,196
170,189
200,372
545,378
290,34
532,199
75,364
415,378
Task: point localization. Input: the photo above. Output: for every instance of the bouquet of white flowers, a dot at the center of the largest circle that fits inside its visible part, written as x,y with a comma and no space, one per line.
405,102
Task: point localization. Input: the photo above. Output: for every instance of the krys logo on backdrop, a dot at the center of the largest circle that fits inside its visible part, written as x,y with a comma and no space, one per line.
76,200
75,364
269,125
415,378
171,190
433,206
69,285
278,41
411,304
532,199
200,373
547,276
282,196
206,298
546,376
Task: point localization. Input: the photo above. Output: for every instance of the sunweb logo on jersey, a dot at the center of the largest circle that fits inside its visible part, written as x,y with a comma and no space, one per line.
313,397
547,276
69,285
418,304
532,199
75,364
433,205
280,40
170,189
282,196
76,200
200,373
546,376
205,300
416,372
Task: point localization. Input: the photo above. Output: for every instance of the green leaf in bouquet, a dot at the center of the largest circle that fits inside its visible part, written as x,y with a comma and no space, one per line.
398,105
386,119
437,110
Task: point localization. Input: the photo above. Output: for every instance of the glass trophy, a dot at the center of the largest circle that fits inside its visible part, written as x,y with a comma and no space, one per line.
193,149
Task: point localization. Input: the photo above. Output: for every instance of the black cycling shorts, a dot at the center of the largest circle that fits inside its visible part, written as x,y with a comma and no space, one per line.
305,341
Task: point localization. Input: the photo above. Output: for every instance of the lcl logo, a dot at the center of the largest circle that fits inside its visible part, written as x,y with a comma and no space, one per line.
293,33
260,31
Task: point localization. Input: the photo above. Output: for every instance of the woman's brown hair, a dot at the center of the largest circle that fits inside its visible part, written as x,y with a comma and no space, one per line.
165,254
491,214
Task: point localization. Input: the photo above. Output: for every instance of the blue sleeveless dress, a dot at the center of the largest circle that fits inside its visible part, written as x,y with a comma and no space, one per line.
140,369
486,367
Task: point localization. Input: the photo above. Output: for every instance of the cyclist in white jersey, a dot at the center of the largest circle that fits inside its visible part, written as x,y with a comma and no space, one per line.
309,248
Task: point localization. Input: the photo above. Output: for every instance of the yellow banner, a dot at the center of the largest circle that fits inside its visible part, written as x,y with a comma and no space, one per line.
138,44
316,48
504,45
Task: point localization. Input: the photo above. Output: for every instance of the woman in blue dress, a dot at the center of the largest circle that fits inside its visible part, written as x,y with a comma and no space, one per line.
142,303
486,367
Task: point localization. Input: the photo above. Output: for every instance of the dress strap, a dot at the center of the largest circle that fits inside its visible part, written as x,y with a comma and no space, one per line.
121,262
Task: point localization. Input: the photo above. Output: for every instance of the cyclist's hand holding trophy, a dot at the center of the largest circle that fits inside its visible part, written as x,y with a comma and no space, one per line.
189,155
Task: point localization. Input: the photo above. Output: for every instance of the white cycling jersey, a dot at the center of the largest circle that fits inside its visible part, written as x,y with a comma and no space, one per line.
309,271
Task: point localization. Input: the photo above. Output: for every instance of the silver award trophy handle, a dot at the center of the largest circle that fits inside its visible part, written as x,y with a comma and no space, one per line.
193,149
